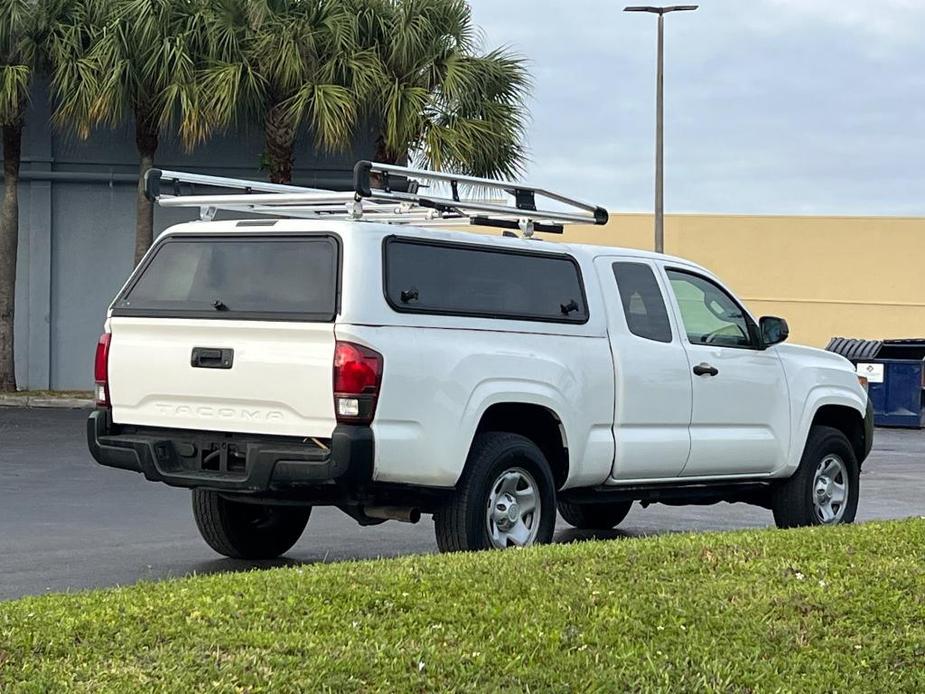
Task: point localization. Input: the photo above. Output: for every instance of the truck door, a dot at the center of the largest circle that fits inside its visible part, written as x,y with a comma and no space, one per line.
740,422
652,377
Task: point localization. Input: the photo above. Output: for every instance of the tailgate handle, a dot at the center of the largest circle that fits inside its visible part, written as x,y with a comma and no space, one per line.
212,358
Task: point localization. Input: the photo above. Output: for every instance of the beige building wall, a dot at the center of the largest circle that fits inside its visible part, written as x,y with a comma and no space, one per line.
847,276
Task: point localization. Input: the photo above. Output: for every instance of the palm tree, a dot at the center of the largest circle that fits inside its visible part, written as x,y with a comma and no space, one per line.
16,65
283,63
437,99
411,68
138,58
26,27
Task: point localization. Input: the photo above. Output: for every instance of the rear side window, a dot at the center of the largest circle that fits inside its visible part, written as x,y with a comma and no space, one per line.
476,281
237,278
643,304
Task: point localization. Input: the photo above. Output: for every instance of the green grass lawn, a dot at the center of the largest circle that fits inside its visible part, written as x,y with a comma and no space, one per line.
835,609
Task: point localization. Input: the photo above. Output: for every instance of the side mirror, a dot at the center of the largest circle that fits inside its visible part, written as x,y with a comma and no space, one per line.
773,330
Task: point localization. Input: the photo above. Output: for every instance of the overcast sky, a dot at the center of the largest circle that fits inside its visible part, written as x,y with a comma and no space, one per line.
772,106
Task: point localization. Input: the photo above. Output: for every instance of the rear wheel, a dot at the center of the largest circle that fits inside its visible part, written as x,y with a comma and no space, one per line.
505,498
245,530
825,488
594,516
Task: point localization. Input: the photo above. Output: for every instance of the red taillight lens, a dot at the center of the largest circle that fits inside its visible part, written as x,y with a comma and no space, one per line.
101,370
357,376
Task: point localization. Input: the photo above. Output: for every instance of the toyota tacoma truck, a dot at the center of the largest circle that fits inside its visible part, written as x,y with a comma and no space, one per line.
362,351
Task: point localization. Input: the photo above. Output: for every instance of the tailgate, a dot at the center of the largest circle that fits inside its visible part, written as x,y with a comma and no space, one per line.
279,380
228,333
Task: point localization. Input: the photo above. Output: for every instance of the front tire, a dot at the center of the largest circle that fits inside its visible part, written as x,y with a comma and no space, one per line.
243,530
505,498
826,486
601,516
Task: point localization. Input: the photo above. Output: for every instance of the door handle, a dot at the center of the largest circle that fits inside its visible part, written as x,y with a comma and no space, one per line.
211,358
704,369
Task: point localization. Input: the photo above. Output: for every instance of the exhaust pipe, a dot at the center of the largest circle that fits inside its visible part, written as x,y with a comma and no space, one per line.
405,514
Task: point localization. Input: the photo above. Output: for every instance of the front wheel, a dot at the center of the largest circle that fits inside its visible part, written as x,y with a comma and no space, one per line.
243,530
505,498
826,486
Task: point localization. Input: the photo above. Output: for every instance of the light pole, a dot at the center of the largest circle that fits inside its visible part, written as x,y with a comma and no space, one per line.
660,117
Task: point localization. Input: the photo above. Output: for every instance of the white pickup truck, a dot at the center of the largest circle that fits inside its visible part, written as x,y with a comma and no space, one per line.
273,365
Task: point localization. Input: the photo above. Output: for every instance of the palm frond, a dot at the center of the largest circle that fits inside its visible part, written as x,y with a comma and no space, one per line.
439,99
14,91
330,111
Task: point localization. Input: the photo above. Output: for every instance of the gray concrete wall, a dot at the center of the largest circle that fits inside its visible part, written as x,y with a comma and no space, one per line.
77,237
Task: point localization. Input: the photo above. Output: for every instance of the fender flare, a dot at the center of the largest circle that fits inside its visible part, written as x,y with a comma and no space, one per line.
501,392
818,397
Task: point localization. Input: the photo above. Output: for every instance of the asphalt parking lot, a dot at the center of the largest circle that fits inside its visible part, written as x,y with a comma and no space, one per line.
67,523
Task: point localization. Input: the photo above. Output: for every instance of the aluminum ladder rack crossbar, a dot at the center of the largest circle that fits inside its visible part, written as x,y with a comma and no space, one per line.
389,214
382,192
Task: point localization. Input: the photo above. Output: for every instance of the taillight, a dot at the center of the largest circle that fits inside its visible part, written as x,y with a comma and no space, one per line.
101,370
357,377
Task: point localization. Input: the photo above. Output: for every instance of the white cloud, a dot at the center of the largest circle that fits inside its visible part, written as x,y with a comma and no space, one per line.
897,19
772,106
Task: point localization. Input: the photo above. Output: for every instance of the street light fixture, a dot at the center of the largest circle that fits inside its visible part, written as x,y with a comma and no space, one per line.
660,117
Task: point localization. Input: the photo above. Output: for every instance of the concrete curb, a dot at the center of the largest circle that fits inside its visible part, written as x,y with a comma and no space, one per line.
45,401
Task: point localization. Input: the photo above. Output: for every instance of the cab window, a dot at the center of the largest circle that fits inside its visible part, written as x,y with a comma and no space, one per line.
710,315
643,306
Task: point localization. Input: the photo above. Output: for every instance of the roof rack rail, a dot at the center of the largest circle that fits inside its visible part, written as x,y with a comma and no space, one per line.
381,192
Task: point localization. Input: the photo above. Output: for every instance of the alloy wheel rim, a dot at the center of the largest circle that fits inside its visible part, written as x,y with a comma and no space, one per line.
830,490
514,509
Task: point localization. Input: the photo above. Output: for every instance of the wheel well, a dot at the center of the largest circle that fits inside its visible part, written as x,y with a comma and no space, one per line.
535,422
846,420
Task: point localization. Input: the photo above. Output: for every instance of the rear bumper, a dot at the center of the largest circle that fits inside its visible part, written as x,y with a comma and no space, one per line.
227,462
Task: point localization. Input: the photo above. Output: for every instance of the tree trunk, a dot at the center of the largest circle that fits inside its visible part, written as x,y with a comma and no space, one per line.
279,134
384,156
146,140
9,243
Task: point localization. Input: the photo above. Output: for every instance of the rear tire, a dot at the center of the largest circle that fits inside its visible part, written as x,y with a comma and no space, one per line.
506,497
826,486
594,516
244,530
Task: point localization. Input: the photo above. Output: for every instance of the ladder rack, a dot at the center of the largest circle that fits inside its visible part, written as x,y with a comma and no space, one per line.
382,193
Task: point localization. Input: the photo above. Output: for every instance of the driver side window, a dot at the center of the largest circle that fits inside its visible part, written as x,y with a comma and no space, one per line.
710,315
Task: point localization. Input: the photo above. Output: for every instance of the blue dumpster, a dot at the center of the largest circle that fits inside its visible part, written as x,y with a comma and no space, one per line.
895,370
